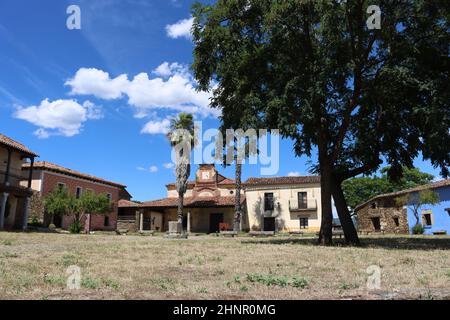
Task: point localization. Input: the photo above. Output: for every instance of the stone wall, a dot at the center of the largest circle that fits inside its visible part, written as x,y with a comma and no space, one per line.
388,216
129,225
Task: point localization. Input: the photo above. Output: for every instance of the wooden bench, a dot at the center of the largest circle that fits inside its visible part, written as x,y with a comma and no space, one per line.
261,233
440,233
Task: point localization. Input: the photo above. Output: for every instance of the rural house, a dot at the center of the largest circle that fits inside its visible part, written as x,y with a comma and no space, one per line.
14,196
381,213
268,204
47,176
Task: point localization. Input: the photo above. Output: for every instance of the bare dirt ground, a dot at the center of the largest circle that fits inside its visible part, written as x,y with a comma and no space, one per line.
34,265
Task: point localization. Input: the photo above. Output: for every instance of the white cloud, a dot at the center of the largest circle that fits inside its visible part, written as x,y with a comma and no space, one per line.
174,89
168,165
293,174
156,127
60,117
141,168
181,28
153,169
98,83
165,69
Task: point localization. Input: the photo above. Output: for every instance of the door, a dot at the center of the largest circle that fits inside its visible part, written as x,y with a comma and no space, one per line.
214,220
376,223
302,200
269,224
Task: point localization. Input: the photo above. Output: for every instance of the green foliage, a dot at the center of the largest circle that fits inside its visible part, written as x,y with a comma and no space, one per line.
418,229
416,200
313,70
280,281
361,189
62,202
76,227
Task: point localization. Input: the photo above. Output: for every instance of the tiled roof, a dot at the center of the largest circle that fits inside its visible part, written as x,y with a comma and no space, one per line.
193,202
16,145
227,181
281,180
44,165
433,185
127,204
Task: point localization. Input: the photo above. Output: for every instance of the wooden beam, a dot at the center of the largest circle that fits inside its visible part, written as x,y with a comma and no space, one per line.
8,167
30,175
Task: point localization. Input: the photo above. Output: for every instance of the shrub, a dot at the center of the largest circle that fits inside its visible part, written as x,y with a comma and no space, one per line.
51,226
75,227
418,229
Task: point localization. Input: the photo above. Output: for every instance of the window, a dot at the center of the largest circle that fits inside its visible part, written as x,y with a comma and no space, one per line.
109,196
376,223
427,218
61,185
397,222
302,200
374,205
106,222
78,192
303,223
268,201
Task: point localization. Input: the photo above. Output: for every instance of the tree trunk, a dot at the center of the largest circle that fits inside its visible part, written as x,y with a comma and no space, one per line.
326,228
180,208
237,204
351,236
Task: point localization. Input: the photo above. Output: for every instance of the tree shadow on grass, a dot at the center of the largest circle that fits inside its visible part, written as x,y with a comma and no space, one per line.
382,242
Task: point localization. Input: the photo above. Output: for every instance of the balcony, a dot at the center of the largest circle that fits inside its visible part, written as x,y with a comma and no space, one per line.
309,205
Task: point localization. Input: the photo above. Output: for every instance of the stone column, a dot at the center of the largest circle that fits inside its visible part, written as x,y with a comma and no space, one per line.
3,209
26,213
188,227
141,221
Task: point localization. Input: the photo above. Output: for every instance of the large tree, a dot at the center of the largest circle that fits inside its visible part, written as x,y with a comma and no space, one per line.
314,70
360,189
181,137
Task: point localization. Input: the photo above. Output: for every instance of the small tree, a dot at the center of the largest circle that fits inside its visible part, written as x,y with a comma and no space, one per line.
91,203
61,202
55,203
416,200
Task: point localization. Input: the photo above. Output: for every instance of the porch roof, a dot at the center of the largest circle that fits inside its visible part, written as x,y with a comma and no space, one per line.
193,202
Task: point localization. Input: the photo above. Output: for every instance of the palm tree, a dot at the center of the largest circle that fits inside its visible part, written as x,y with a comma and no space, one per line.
181,137
248,149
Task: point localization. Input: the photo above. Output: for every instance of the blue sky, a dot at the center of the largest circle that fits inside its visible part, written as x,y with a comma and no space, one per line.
98,99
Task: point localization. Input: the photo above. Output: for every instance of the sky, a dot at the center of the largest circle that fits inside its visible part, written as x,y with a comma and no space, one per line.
99,99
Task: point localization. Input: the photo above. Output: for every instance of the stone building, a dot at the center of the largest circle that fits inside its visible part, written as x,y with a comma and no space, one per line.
381,213
14,195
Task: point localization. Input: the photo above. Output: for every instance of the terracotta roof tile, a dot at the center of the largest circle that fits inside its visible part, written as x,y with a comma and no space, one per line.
281,180
433,185
44,165
127,204
191,202
15,145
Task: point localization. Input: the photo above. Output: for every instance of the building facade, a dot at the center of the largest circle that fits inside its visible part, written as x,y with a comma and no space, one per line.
382,213
283,203
14,195
268,204
47,176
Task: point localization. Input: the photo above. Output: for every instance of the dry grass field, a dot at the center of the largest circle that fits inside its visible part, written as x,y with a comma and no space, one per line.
33,266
